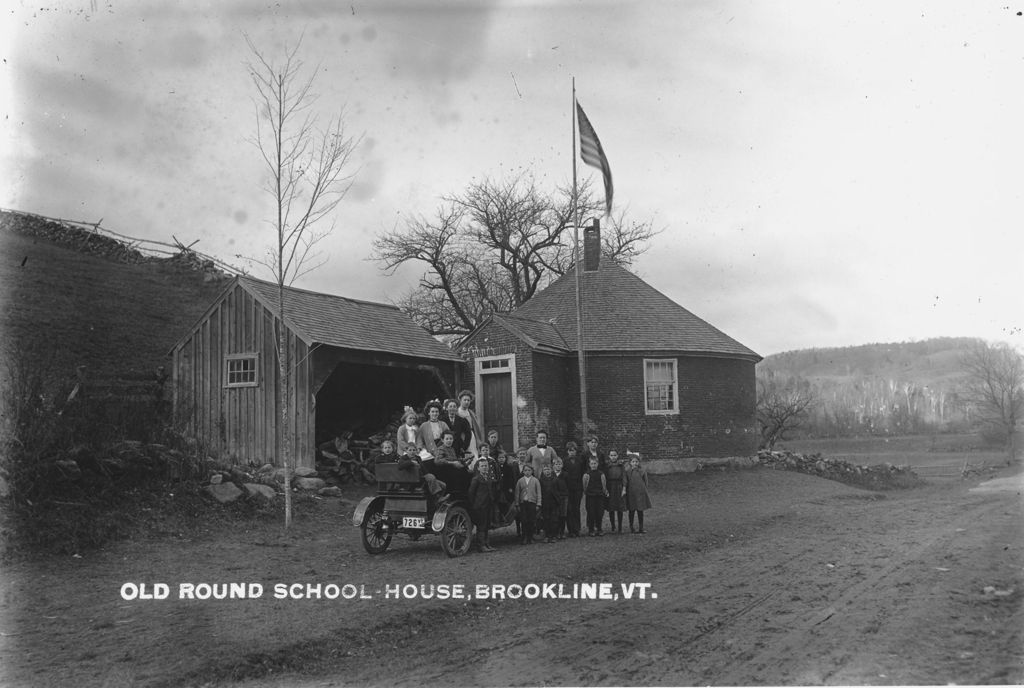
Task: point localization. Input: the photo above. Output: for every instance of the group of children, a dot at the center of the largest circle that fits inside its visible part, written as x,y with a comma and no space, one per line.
536,487
590,479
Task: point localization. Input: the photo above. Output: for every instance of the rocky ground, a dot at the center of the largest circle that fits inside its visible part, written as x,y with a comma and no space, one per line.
761,577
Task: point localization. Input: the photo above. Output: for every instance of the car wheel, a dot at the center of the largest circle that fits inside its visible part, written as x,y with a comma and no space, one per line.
376,535
457,535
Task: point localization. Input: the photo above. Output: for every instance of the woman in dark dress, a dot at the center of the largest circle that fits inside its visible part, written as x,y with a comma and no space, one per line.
459,425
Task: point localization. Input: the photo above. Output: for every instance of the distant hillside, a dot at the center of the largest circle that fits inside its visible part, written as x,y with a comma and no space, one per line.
931,362
70,297
898,388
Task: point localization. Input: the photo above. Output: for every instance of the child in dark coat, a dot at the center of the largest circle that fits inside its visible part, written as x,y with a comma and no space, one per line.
562,495
574,467
615,473
638,499
549,498
595,487
506,479
435,488
386,453
481,501
495,446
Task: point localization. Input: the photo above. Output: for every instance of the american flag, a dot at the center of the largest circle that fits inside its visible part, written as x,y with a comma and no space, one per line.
593,154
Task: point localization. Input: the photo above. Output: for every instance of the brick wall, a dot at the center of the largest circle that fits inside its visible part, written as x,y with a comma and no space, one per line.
549,407
716,400
716,408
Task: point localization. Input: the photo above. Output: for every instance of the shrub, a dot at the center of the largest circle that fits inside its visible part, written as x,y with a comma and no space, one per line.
80,471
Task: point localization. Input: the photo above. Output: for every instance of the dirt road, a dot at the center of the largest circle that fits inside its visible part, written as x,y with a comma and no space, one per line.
760,577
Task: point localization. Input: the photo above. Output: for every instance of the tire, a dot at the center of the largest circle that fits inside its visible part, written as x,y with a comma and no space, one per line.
457,534
375,538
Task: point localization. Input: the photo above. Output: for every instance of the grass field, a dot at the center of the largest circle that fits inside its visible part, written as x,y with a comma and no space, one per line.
935,454
72,308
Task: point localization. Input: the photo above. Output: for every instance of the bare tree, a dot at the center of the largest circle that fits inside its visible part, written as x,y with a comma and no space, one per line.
995,386
307,176
492,247
781,407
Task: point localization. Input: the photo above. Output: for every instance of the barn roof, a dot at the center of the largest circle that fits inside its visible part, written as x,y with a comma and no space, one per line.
621,312
319,318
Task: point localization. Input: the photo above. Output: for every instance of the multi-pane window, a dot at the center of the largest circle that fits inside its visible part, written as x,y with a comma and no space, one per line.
241,370
661,385
490,364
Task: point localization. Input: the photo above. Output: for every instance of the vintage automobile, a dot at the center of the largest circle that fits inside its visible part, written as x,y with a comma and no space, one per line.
401,506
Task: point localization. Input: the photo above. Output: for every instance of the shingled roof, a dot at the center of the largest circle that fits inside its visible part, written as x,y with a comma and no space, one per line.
621,312
319,318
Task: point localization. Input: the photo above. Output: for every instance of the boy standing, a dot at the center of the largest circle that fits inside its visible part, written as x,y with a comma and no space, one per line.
529,499
562,495
549,498
591,451
481,501
506,479
573,467
492,440
595,487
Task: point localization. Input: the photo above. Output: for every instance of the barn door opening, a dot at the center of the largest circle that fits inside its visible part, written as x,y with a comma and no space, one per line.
367,399
496,400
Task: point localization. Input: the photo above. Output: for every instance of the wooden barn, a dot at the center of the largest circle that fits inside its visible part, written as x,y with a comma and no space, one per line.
356,364
660,380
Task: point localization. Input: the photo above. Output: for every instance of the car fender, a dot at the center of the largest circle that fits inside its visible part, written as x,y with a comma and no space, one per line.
437,524
362,508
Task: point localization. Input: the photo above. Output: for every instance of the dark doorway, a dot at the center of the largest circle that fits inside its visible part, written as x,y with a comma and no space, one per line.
365,399
497,406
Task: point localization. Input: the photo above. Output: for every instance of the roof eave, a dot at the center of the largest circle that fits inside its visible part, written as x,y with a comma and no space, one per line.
451,358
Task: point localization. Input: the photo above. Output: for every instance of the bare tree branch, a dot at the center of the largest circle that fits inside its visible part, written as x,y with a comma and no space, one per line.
995,386
490,249
782,407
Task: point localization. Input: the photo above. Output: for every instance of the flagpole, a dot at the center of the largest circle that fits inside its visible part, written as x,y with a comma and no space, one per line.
579,292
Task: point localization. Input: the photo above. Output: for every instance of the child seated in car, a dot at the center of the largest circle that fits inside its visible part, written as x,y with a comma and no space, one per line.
386,453
435,488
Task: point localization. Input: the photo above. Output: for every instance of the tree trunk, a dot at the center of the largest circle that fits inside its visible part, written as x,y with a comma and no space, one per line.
284,394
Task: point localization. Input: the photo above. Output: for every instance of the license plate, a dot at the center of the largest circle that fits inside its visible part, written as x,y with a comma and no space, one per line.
412,521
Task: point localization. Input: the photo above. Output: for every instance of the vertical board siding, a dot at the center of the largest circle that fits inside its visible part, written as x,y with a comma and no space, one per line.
216,371
243,424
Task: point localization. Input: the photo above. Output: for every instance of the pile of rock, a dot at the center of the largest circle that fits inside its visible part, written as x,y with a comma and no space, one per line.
81,239
128,458
227,484
86,238
132,462
883,476
187,260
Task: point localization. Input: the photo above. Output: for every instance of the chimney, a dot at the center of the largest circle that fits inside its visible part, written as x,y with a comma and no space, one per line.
592,247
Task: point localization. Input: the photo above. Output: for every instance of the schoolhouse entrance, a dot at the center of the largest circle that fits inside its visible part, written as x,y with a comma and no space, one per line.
496,382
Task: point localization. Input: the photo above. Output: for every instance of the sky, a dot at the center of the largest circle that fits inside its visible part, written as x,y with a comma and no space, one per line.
825,173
